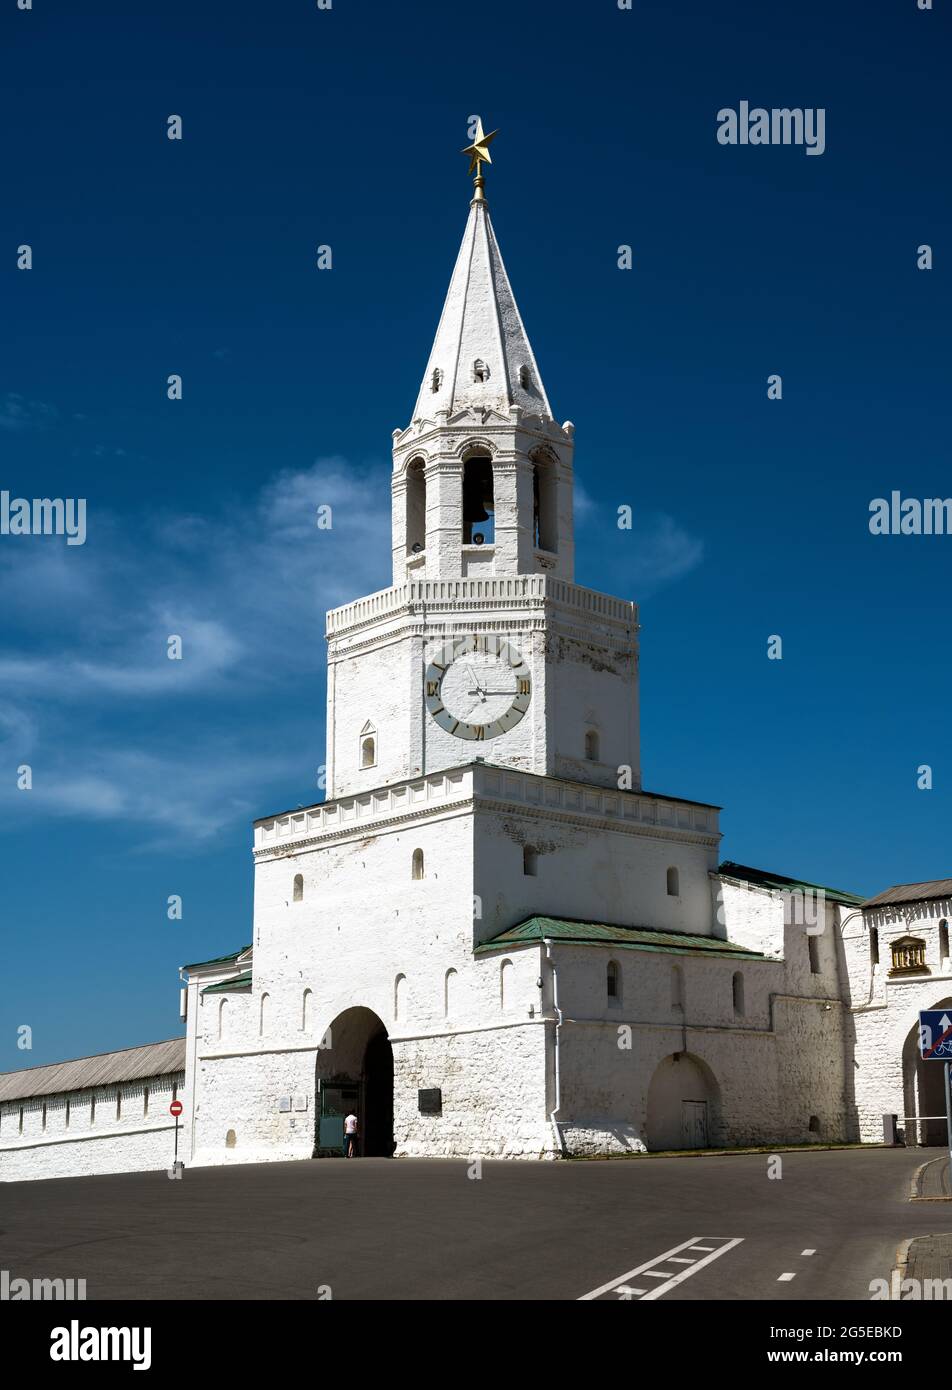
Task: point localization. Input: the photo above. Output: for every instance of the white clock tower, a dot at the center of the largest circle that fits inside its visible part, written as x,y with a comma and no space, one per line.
483,647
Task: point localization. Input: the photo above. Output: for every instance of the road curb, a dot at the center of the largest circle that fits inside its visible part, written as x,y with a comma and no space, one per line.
918,1182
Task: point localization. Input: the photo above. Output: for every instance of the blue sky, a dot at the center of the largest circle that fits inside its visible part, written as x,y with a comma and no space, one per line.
342,127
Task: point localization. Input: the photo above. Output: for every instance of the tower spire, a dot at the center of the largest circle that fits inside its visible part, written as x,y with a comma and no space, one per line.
481,357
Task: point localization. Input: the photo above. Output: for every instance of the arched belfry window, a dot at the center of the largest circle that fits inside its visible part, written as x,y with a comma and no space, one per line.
525,378
368,746
436,380
674,885
613,983
416,506
545,523
297,888
480,370
737,990
591,746
479,505
416,864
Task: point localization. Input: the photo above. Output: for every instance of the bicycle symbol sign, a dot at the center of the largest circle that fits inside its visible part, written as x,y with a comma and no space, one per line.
935,1036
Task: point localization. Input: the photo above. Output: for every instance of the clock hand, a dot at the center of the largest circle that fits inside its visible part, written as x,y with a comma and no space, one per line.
473,677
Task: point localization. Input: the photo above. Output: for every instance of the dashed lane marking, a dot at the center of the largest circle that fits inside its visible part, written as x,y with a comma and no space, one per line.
785,1278
715,1246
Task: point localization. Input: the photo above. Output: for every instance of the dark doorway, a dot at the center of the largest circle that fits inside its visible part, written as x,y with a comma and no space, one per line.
377,1119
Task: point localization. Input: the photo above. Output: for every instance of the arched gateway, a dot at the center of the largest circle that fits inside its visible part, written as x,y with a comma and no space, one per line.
923,1085
354,1072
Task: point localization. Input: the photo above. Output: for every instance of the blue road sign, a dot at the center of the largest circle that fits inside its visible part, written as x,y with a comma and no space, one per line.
935,1035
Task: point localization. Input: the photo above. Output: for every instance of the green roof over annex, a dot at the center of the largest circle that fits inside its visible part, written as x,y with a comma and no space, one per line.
235,984
781,884
572,933
218,960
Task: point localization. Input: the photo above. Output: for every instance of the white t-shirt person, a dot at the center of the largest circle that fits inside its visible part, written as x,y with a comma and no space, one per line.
350,1124
350,1136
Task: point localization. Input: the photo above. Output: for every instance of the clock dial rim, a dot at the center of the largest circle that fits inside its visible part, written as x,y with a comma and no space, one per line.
456,649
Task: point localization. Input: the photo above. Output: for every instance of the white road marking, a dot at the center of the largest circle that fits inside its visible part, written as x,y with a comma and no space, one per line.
679,1260
625,1291
807,1252
785,1278
650,1268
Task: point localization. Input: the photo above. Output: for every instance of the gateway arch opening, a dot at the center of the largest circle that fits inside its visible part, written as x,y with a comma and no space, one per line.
355,1075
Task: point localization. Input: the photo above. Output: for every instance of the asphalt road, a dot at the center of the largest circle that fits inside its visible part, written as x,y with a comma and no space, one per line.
425,1229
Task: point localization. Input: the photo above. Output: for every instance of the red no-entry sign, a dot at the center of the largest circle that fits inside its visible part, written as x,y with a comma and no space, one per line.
175,1108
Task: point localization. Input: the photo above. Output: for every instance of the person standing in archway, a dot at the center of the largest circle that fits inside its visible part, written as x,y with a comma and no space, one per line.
350,1136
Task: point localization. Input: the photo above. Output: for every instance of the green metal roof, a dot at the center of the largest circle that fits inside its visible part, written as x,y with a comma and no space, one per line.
218,960
783,884
234,985
536,929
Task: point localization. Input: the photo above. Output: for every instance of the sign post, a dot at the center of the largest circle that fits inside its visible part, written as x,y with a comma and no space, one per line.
176,1109
935,1045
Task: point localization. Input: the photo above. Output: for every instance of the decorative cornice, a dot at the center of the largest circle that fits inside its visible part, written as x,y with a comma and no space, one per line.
358,830
645,829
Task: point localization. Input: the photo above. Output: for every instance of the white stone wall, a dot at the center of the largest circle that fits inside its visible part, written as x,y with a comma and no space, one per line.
588,868
43,1145
886,1011
364,921
776,1065
493,1082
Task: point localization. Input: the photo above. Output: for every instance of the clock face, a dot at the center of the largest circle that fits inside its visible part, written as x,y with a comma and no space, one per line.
477,687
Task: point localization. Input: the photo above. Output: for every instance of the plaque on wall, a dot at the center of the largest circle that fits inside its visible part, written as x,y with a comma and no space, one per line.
431,1101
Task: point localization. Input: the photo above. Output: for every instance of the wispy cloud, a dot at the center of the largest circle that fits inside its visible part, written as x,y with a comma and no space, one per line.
656,551
665,552
18,414
117,731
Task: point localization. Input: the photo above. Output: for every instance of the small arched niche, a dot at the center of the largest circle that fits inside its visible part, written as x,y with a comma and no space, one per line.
505,985
368,746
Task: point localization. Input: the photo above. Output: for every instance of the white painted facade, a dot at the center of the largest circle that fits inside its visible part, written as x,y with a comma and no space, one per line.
121,1128
473,794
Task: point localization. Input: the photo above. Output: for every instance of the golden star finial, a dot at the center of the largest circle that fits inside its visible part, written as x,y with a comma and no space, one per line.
479,154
